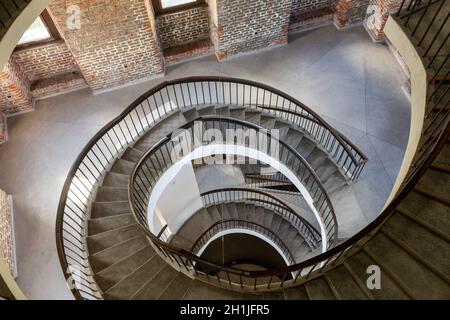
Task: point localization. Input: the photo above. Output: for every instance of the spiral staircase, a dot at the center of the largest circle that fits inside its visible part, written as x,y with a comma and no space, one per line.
127,266
107,247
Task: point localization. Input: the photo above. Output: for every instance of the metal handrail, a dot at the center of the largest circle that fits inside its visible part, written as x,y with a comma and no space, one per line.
150,108
312,267
228,224
306,230
356,155
140,190
267,180
158,159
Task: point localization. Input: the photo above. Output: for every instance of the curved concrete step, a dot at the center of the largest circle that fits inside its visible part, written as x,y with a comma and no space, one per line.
267,121
431,214
118,271
415,277
132,154
100,225
103,259
340,280
428,247
357,266
238,113
109,194
435,184
196,225
123,167
177,289
104,240
163,128
206,111
253,117
110,208
113,179
319,289
134,282
156,286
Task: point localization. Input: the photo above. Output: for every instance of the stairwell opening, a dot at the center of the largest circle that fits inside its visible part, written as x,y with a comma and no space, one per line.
156,224
245,250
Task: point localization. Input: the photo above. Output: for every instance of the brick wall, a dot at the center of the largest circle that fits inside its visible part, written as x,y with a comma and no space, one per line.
3,132
45,61
6,232
300,6
15,95
350,12
183,27
376,18
37,67
244,26
213,21
59,84
116,43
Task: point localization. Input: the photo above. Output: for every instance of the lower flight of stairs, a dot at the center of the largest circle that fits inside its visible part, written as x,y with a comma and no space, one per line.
201,221
412,248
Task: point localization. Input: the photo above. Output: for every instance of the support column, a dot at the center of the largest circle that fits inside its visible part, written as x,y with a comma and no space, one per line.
113,42
244,26
377,14
3,132
7,242
15,96
349,12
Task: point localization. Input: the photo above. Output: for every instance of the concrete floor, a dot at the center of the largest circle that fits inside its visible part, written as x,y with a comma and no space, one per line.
352,82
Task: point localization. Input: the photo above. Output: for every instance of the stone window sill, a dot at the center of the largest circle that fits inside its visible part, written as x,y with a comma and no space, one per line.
181,8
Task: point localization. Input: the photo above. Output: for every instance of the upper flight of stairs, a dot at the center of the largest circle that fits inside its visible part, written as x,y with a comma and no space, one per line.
412,248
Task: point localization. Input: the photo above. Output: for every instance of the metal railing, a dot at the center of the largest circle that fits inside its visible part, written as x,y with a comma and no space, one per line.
110,142
229,224
268,180
165,153
347,156
236,279
305,229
